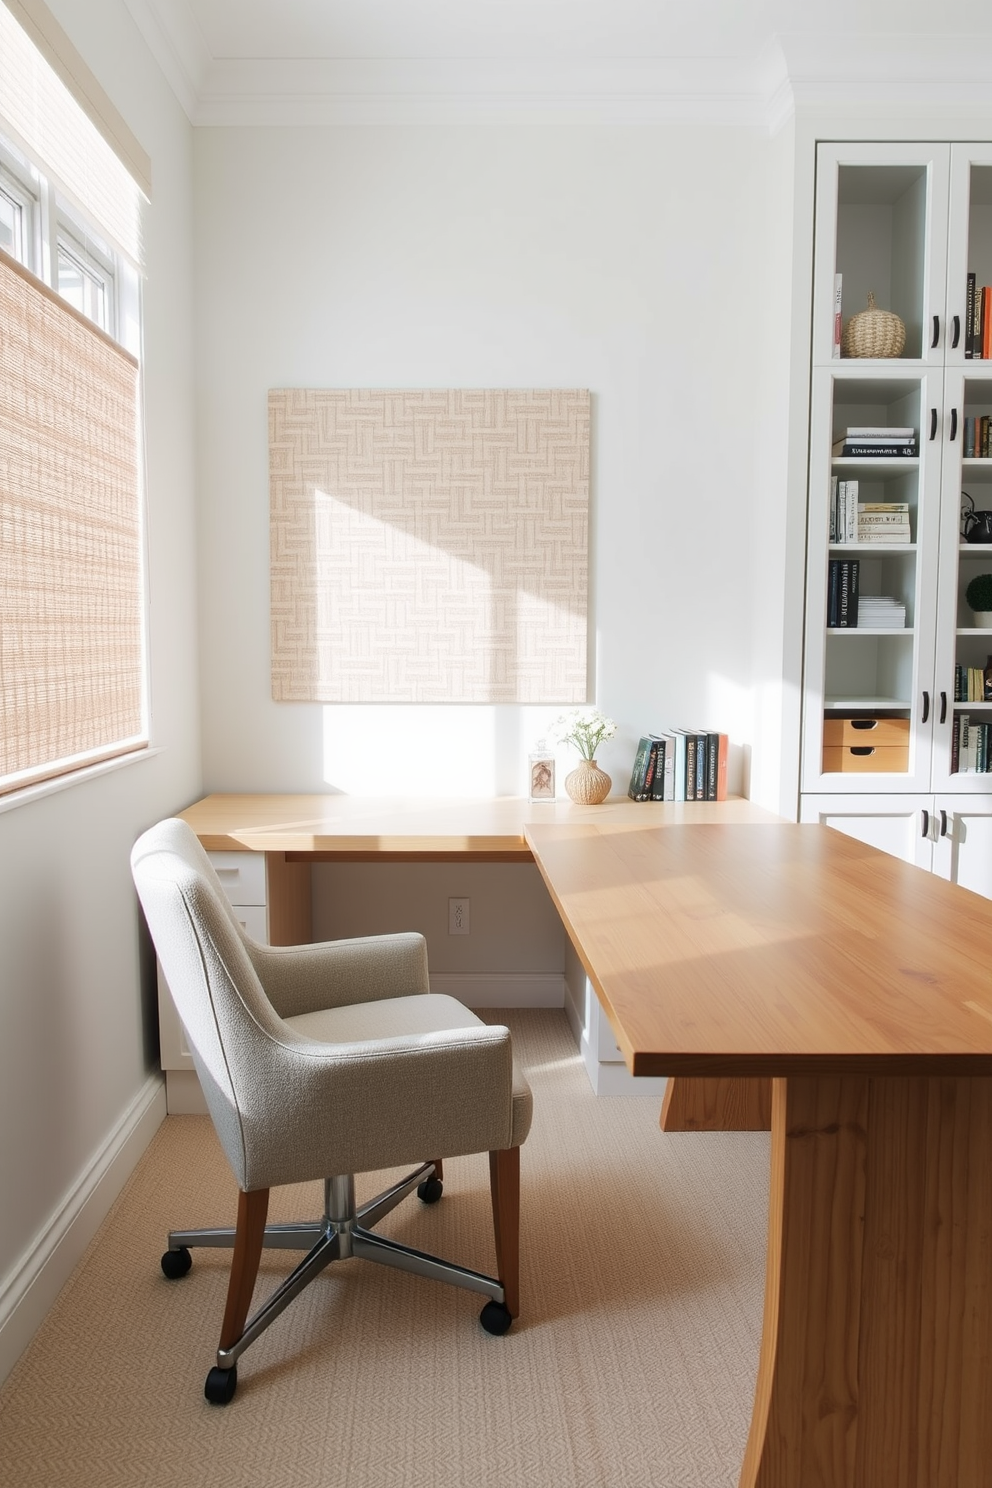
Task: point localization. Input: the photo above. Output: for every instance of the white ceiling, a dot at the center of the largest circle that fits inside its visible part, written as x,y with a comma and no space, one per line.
309,61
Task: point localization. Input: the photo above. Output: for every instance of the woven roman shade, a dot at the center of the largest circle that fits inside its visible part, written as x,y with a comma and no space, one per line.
71,574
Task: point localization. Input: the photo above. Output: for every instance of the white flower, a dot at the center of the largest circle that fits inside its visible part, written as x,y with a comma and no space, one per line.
585,729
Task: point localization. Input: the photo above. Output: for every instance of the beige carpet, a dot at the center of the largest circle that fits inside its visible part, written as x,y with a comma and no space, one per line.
632,1364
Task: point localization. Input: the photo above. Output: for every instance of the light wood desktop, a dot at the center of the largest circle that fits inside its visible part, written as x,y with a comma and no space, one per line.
862,985
731,949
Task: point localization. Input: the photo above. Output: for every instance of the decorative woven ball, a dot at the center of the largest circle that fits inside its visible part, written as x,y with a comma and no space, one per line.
873,333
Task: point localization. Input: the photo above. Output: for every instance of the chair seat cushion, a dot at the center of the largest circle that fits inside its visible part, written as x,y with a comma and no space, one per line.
406,1017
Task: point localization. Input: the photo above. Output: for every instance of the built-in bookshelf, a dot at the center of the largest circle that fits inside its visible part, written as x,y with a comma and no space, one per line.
900,453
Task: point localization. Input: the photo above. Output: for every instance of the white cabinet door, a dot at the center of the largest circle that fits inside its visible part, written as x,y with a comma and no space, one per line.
963,849
900,825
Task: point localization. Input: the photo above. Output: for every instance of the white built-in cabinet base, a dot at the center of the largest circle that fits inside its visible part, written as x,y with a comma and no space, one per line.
946,834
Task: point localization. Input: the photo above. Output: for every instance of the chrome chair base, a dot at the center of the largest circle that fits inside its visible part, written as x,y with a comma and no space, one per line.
344,1231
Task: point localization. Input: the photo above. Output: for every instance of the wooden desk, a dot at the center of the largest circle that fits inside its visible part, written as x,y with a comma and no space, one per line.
863,987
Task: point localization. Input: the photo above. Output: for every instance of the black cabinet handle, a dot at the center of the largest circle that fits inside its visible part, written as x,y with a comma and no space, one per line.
956,333
936,331
926,706
933,423
943,824
926,824
954,423
943,707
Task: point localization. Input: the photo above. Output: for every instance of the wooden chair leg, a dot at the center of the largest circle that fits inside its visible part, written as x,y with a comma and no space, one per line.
504,1183
252,1211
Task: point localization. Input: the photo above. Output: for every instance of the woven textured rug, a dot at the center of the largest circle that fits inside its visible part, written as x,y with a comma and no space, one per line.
632,1364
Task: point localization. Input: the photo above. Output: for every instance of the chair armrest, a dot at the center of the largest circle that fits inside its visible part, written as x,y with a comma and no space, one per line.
334,973
376,1104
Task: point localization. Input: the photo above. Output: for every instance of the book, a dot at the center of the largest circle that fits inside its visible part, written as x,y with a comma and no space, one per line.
717,750
969,318
638,788
986,322
868,449
701,744
678,782
833,592
838,322
663,785
976,325
690,765
847,594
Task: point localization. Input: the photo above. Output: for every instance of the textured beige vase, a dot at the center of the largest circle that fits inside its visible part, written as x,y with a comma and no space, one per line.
588,784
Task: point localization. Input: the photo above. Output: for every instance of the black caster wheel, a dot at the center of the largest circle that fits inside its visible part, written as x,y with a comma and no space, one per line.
495,1318
430,1190
221,1385
176,1263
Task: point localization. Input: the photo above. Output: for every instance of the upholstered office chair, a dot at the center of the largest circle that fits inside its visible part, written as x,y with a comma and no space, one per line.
322,1061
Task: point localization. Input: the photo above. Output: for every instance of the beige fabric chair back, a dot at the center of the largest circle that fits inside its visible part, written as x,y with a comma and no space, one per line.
228,1019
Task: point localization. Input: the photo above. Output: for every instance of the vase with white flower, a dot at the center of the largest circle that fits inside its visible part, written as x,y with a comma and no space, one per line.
585,729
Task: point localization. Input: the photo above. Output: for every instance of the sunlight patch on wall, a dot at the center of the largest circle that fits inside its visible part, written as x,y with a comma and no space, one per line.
429,546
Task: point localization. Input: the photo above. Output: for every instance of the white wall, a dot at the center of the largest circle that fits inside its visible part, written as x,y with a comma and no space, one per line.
627,260
78,1036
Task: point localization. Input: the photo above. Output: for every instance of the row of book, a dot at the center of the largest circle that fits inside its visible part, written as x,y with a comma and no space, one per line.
972,684
970,746
680,765
871,523
873,441
978,321
976,437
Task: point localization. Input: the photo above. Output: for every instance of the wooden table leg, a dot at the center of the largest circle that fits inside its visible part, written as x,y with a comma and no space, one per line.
875,1357
288,897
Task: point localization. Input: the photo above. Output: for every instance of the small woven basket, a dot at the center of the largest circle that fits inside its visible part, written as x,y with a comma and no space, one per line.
873,333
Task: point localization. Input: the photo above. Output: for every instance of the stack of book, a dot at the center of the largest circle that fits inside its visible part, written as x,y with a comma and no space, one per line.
871,441
881,612
680,765
970,685
842,593
976,437
882,523
978,321
843,511
970,754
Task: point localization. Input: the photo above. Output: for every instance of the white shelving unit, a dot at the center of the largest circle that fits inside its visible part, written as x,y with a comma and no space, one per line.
906,222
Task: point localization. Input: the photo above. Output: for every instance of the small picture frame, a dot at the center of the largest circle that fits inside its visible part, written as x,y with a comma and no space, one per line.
542,777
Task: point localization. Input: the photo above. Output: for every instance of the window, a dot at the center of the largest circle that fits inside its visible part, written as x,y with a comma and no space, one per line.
72,645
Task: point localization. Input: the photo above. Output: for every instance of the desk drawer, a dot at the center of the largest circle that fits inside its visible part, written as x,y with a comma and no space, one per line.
242,875
885,732
868,759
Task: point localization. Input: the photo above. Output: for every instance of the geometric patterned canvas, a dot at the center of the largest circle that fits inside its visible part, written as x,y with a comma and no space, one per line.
429,546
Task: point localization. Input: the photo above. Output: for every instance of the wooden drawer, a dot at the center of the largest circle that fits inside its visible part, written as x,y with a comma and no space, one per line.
867,759
873,731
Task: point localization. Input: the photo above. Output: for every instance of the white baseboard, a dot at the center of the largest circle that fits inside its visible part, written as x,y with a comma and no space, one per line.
495,991
29,1289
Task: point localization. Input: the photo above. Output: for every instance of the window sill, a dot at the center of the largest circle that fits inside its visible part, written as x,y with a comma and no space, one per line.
29,793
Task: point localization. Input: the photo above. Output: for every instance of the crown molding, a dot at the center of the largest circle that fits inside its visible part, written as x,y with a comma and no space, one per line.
422,91
869,72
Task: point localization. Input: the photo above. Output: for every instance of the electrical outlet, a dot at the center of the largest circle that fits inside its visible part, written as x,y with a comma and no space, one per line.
458,917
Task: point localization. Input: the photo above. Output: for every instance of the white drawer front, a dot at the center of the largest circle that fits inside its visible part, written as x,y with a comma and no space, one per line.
242,875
